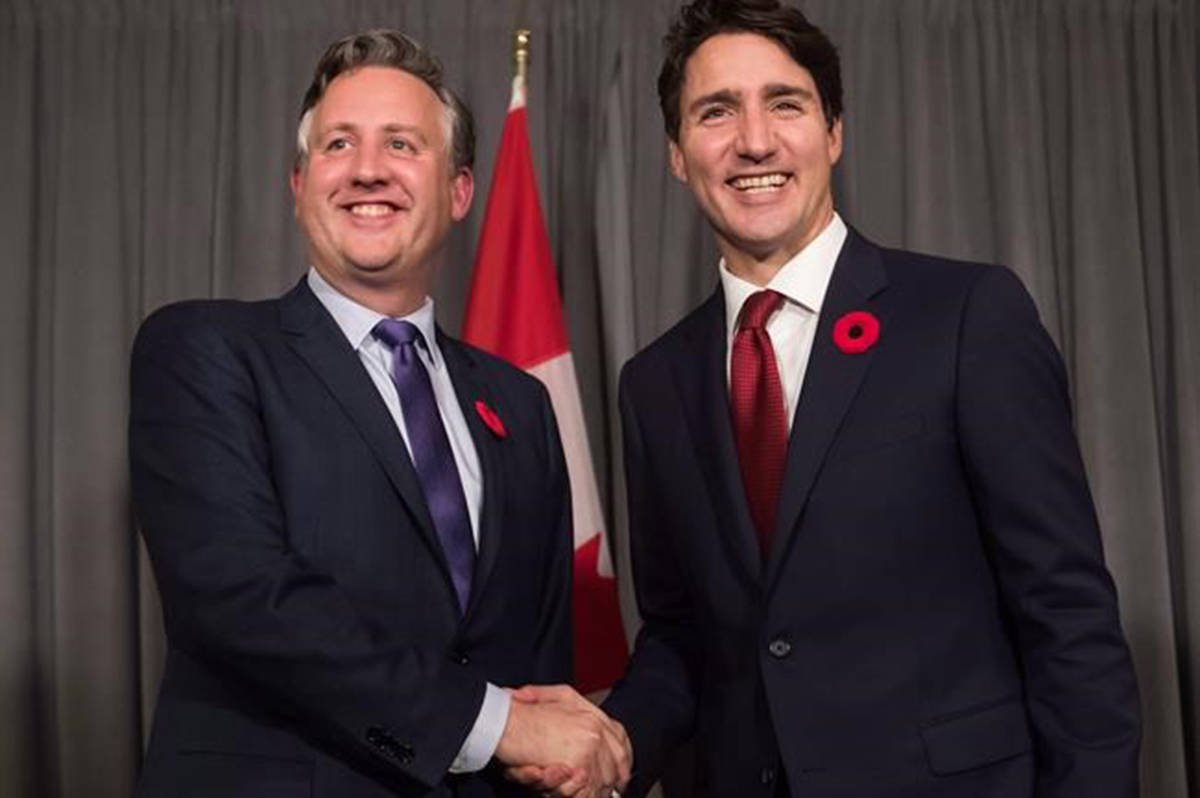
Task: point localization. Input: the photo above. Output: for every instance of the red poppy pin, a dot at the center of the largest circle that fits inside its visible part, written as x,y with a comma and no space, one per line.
491,419
856,332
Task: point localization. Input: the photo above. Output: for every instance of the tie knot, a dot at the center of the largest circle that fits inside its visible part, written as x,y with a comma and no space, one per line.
758,308
394,333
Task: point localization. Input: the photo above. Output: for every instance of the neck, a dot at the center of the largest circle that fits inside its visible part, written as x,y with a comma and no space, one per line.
390,299
760,267
751,269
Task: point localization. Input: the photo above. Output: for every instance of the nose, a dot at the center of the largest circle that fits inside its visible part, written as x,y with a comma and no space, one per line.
370,169
755,141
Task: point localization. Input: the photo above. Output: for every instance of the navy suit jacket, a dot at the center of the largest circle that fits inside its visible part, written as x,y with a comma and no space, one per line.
316,648
934,617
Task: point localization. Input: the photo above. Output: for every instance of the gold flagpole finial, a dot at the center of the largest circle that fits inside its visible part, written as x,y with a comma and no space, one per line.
521,51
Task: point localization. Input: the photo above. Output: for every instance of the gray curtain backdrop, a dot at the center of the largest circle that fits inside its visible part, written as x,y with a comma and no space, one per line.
144,152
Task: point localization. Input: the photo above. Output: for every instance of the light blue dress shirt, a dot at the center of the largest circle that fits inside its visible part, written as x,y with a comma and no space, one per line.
356,322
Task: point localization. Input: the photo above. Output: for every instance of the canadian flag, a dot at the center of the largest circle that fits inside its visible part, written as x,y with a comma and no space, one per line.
514,311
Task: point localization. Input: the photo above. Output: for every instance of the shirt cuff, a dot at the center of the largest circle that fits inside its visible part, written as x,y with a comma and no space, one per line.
485,735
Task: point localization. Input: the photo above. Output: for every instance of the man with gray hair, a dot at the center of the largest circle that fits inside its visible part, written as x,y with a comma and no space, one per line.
351,573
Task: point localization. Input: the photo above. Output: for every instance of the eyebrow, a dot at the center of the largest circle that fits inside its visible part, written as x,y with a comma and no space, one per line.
348,127
771,91
411,130
727,96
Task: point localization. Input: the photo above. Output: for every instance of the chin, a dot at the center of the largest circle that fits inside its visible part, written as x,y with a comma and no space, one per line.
762,231
760,243
372,263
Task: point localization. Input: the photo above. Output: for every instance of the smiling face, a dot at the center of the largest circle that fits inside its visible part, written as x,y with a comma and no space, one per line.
376,194
756,150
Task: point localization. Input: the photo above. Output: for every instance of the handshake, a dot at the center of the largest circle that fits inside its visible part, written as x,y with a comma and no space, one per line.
557,742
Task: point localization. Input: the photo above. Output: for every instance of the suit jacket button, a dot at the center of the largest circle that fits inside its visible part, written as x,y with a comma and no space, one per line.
779,648
460,658
767,776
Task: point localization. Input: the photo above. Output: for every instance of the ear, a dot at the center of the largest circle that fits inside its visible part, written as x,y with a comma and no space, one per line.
296,181
835,141
678,164
462,189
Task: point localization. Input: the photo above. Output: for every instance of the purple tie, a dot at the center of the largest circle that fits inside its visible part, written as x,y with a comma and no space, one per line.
431,452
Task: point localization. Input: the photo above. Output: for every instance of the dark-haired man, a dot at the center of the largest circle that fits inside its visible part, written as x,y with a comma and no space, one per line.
349,572
864,548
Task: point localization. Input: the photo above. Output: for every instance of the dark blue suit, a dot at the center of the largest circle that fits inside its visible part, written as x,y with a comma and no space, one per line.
934,618
315,645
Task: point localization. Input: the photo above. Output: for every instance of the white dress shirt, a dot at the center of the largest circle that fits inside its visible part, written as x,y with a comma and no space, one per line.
356,323
803,281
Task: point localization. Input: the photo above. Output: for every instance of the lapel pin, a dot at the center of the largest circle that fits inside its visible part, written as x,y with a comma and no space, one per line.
490,418
856,332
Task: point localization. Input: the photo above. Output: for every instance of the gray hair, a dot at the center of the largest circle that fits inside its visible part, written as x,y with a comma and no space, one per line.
389,48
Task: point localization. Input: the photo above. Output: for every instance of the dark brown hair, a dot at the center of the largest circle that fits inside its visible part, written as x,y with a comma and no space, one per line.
698,21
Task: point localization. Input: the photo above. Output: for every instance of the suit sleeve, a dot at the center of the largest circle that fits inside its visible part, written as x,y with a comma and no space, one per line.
237,596
1027,479
655,700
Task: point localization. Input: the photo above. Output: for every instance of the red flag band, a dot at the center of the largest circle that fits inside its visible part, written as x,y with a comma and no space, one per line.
514,311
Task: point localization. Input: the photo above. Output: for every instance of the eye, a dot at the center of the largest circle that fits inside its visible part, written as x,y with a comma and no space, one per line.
400,145
335,144
713,112
791,107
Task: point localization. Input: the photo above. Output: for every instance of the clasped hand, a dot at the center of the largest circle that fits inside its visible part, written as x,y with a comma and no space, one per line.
556,741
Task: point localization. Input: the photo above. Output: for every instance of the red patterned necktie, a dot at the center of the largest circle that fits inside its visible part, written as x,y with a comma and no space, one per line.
759,423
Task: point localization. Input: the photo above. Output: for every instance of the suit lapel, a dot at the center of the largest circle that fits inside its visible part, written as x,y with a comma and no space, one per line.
470,387
316,338
700,373
830,384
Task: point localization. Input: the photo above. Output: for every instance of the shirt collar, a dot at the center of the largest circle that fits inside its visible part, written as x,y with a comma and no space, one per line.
357,321
802,280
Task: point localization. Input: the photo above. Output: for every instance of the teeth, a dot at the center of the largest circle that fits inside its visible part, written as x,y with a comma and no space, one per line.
374,209
759,182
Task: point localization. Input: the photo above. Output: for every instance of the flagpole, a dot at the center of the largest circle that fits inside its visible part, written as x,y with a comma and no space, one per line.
521,38
521,52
